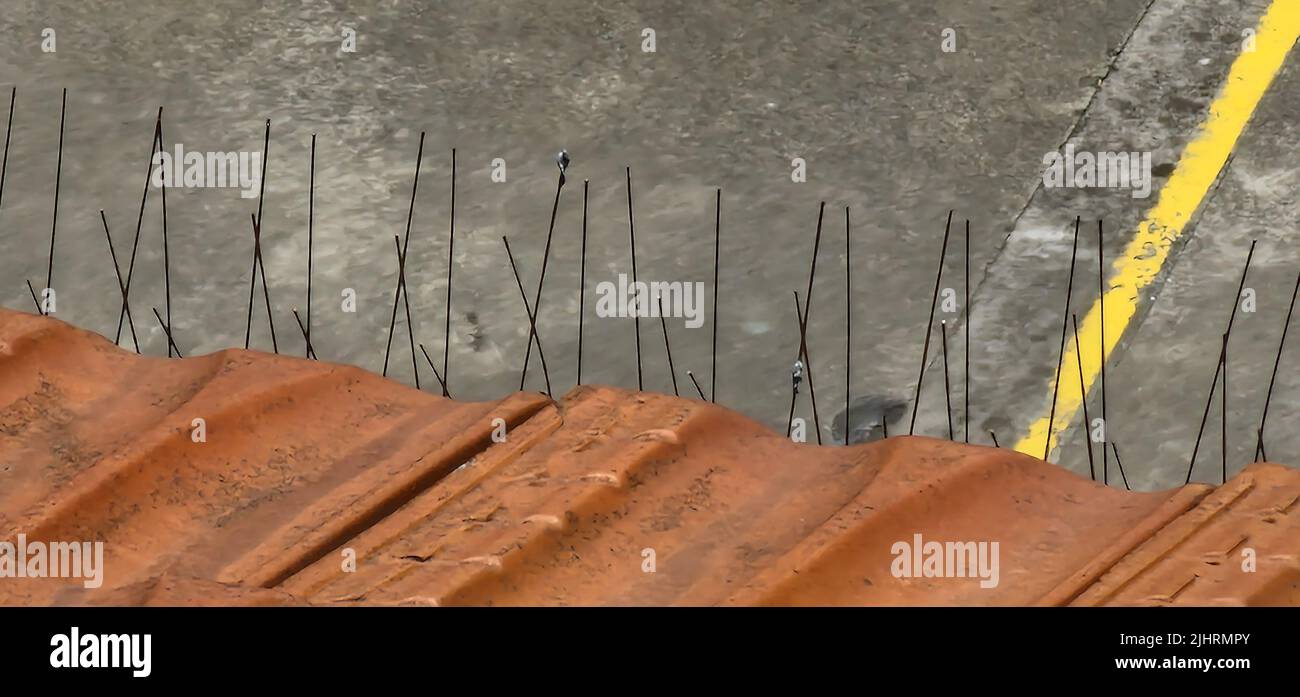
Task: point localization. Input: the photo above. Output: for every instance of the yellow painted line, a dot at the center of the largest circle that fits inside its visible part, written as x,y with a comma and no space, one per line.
1197,168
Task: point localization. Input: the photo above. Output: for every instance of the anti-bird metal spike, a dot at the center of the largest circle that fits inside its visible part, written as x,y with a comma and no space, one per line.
929,326
698,389
1205,416
1060,356
121,286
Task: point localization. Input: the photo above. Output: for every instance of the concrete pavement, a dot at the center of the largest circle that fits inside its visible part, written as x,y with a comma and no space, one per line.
886,121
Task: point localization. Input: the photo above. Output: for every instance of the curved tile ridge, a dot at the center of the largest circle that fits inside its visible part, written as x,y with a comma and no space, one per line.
943,524
1238,546
170,590
632,499
647,499
291,454
321,483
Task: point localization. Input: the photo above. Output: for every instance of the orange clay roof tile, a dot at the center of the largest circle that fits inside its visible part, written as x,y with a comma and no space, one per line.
605,497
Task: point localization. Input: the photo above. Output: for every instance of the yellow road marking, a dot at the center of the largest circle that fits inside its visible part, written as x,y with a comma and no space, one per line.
1198,167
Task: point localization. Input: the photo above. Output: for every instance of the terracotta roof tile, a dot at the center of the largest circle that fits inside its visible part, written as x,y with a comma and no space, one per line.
605,497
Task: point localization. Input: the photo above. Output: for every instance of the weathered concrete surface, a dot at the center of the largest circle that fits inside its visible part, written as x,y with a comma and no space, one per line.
1158,376
887,122
1161,380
